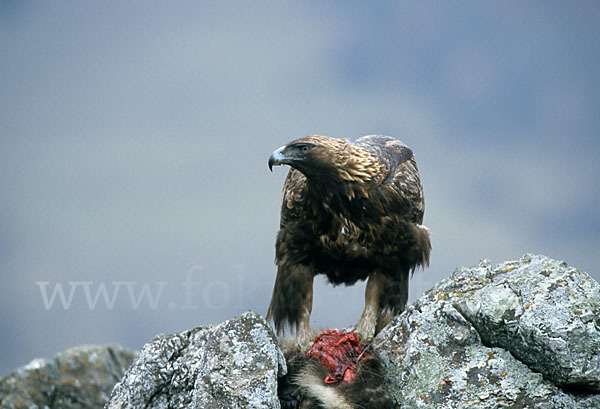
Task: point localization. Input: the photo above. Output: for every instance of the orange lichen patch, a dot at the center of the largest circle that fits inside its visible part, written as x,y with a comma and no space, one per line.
445,382
340,352
423,398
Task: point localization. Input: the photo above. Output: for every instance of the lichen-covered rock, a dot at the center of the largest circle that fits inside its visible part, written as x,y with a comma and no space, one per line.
230,365
546,314
79,378
525,334
436,357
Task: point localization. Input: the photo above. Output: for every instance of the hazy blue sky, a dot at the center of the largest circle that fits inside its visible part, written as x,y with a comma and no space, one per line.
134,139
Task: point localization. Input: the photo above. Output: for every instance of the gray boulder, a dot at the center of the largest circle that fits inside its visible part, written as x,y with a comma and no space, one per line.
230,365
544,313
79,378
522,335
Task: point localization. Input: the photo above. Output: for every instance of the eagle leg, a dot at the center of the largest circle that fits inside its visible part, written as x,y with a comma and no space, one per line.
304,335
291,302
393,299
384,299
368,320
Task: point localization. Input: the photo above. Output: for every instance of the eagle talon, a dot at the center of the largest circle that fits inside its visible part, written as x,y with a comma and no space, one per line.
307,346
304,338
365,335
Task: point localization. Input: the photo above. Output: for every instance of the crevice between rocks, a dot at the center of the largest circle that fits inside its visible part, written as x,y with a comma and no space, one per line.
119,364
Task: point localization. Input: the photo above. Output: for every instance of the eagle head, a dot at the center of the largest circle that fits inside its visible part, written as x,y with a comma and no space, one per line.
316,156
328,159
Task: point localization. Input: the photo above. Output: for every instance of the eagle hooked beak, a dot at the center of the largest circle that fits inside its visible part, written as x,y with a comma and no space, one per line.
277,158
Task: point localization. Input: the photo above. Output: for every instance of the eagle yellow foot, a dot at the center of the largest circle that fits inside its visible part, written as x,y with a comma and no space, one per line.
366,330
305,339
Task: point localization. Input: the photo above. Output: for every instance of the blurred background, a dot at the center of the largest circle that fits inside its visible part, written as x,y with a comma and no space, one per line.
134,139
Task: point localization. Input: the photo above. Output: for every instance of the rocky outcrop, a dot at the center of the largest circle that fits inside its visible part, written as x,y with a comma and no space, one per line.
231,365
79,378
525,334
544,313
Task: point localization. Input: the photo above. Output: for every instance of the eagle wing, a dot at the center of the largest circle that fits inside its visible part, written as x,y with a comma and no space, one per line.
399,180
292,200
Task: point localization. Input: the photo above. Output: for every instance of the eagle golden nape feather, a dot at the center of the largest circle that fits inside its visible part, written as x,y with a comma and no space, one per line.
303,386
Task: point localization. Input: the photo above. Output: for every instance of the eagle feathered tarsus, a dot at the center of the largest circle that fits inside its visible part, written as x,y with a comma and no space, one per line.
351,212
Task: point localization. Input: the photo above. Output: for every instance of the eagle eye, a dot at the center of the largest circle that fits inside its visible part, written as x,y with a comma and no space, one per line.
303,148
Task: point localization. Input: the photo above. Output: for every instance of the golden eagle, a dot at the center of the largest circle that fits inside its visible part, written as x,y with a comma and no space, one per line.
351,211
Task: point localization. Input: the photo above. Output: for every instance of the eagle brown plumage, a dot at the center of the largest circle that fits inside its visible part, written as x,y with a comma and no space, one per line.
351,211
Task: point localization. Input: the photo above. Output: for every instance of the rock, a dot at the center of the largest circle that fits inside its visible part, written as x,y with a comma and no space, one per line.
79,378
544,313
230,365
525,334
522,335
